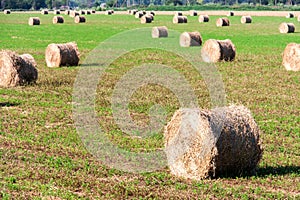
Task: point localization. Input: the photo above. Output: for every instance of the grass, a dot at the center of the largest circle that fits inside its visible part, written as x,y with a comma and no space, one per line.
41,154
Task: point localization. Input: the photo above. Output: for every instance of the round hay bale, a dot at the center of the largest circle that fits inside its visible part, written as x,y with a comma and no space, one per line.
109,12
160,31
188,39
82,12
80,19
193,13
152,13
179,13
222,22
218,50
74,13
287,28
291,57
58,20
88,12
146,19
179,19
212,143
17,70
6,12
93,11
246,19
290,15
133,12
203,18
138,15
58,55
34,21
56,12
230,13
67,12
44,12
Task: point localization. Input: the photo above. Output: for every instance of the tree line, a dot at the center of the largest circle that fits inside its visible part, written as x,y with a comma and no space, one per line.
51,4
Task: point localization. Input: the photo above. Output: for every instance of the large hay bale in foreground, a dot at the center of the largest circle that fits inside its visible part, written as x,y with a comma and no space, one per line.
79,19
218,50
17,70
203,18
146,19
44,12
222,22
287,28
6,12
58,20
193,13
246,19
212,143
188,39
160,31
291,57
290,15
34,21
179,19
58,55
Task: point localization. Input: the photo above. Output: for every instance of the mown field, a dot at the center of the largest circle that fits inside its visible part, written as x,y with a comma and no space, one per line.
42,156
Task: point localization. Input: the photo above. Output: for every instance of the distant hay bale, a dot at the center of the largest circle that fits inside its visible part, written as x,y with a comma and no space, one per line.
17,70
230,13
44,12
93,11
138,14
290,15
212,143
246,19
203,18
179,13
287,28
74,13
291,57
56,12
193,13
58,55
82,12
109,12
67,12
179,19
222,22
188,39
79,19
152,13
58,20
6,12
218,50
88,12
133,12
146,19
160,31
34,21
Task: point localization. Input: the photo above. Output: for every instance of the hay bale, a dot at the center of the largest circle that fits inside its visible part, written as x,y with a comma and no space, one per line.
179,19
34,21
58,20
188,39
222,22
203,18
67,12
218,50
17,70
133,12
291,57
56,12
58,55
44,12
230,13
193,13
138,15
179,13
211,143
146,19
246,19
152,13
93,11
287,28
6,12
81,12
79,19
74,13
88,12
109,12
290,15
160,31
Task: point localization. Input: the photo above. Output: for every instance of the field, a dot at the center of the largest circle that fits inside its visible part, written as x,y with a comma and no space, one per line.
42,155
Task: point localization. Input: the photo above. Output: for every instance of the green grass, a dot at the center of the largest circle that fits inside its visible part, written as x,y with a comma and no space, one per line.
41,154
